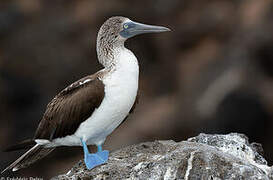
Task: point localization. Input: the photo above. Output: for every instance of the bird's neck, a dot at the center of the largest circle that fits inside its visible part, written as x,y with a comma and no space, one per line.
112,55
107,51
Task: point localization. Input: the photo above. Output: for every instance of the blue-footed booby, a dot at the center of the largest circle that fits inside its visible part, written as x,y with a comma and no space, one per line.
88,110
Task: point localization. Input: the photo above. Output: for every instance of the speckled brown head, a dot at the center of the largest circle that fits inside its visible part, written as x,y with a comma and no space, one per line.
114,32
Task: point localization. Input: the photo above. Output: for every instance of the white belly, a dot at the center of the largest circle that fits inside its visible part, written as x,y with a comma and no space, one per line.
121,87
120,95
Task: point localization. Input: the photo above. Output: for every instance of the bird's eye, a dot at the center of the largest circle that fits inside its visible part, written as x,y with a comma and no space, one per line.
125,26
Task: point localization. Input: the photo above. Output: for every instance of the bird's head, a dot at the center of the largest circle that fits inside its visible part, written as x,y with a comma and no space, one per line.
116,30
121,28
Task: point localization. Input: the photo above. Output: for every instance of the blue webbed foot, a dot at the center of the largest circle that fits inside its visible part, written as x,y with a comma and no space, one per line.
96,159
93,160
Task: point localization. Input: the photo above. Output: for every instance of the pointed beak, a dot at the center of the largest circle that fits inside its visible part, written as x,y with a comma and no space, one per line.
134,28
145,28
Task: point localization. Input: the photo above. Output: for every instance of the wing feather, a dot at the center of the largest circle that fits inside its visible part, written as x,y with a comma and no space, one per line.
70,108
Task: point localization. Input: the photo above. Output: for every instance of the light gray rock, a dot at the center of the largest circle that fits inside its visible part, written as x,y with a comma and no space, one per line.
210,157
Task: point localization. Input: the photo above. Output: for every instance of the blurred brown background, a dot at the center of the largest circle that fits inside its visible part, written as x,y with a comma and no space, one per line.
213,73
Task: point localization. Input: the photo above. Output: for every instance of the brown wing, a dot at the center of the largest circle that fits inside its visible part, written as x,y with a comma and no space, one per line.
70,107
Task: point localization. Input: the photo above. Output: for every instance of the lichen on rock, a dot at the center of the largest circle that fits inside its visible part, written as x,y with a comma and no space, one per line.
205,156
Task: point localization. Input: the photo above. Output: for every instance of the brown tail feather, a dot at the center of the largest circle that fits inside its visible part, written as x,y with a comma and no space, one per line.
35,153
26,144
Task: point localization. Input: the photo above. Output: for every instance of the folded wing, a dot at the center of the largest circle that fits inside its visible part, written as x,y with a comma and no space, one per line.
70,108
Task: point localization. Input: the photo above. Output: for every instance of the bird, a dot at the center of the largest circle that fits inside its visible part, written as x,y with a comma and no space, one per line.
88,110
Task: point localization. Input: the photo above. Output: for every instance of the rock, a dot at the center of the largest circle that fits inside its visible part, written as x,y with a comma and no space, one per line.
212,157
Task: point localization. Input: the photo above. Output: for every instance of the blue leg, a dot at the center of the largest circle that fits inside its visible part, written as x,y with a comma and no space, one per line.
99,148
93,160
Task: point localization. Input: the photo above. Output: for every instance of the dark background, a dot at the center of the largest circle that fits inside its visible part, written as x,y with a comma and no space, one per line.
213,73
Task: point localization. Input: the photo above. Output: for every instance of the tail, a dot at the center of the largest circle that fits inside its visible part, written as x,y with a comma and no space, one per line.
32,155
26,144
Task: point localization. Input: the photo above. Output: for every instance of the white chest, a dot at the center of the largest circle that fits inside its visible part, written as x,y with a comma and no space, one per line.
121,87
